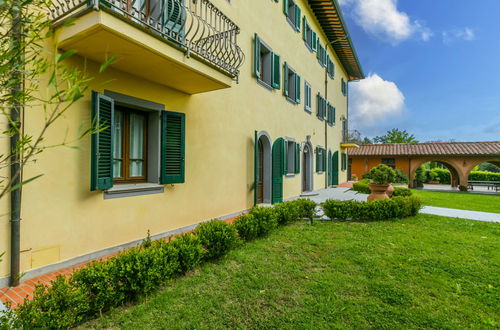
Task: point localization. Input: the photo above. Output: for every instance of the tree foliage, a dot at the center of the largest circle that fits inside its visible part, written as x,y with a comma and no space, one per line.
396,135
33,79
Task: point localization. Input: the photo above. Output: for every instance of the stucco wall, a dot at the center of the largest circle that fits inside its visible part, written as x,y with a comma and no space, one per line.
62,219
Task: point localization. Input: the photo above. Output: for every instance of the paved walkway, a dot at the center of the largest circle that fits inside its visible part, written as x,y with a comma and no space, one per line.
462,214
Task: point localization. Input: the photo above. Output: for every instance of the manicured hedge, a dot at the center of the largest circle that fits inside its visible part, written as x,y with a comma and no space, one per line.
397,207
105,284
484,176
401,191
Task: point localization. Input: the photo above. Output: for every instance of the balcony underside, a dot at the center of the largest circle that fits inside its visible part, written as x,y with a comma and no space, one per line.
98,35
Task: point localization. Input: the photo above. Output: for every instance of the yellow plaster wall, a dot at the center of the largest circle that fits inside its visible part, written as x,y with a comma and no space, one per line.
59,212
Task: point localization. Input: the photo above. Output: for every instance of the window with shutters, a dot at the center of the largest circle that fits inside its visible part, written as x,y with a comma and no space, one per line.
292,84
140,148
321,55
307,97
344,161
267,68
331,114
310,37
344,87
330,67
321,107
293,13
129,145
320,159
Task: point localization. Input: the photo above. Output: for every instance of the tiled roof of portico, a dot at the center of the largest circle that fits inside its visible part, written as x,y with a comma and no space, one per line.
429,149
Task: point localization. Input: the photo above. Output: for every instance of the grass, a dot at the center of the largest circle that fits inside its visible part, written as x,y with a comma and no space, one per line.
459,200
422,272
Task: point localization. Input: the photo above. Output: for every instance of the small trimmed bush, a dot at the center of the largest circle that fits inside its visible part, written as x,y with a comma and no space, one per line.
217,237
400,191
401,177
57,307
247,227
266,217
287,212
386,209
190,249
306,208
381,174
361,187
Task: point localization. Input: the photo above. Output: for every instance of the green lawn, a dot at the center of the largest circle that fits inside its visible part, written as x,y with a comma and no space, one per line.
459,200
422,272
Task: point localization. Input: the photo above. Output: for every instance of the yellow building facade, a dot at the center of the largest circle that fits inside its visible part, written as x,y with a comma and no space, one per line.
198,125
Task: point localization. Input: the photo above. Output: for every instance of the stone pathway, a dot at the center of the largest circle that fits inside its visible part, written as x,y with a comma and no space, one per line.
462,214
344,194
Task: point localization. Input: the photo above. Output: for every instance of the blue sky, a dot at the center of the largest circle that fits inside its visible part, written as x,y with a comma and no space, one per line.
432,68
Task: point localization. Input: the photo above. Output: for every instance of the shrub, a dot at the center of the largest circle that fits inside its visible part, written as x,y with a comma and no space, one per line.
57,307
247,227
484,176
381,174
397,207
401,177
306,208
361,187
190,251
217,237
287,212
400,191
267,218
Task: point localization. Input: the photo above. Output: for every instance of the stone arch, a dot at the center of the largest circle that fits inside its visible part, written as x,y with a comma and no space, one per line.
471,163
456,171
264,138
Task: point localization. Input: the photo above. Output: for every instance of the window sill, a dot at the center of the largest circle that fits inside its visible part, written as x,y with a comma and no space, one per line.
309,111
290,175
133,189
292,101
265,85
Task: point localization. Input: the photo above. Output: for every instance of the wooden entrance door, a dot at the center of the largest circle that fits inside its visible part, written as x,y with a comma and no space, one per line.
260,175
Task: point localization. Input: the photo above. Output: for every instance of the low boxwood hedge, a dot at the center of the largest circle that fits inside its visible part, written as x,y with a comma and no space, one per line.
105,284
397,207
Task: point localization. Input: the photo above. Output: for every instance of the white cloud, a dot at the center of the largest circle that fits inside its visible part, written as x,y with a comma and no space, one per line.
373,100
466,34
382,18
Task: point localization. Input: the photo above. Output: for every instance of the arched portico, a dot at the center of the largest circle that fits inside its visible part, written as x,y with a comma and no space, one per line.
452,166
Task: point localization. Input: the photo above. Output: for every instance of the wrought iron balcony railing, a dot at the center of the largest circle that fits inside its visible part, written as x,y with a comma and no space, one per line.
197,26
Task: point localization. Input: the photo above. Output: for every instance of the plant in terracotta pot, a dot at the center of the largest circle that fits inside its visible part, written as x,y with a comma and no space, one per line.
381,177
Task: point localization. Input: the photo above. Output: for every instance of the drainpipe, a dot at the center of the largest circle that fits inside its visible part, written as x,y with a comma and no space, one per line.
326,121
15,159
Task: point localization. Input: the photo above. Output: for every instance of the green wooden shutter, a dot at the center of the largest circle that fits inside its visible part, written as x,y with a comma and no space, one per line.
333,115
318,106
277,171
317,159
314,41
323,154
256,168
304,28
172,147
329,179
297,158
297,17
285,79
276,71
297,88
285,7
101,164
256,54
324,109
335,161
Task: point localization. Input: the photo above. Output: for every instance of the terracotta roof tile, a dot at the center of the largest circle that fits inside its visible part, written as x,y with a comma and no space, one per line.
429,149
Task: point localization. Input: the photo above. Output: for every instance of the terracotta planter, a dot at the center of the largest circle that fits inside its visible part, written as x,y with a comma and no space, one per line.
390,190
378,191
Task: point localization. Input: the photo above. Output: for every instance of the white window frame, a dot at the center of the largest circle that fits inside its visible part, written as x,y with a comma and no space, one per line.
307,97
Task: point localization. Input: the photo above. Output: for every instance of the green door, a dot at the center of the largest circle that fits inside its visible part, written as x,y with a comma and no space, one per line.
278,169
335,172
256,170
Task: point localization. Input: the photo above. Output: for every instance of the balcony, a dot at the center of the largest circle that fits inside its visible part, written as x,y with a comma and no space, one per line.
188,45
